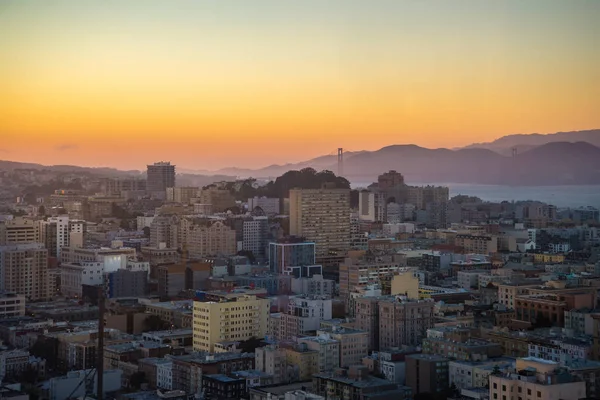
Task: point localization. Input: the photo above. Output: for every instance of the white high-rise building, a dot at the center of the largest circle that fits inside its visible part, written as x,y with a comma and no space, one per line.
255,236
371,206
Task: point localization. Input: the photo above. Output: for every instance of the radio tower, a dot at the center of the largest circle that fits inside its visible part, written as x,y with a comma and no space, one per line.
340,161
514,151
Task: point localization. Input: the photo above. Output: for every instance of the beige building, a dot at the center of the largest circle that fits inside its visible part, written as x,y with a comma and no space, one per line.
234,318
211,239
219,199
533,379
360,269
405,283
354,343
304,360
403,321
24,270
19,230
182,194
11,305
321,216
476,244
164,230
328,349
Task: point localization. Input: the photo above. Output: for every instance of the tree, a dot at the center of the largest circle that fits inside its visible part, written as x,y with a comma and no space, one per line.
249,254
250,345
155,323
137,379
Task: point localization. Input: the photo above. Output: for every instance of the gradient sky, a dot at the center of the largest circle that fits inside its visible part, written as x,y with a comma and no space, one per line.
209,84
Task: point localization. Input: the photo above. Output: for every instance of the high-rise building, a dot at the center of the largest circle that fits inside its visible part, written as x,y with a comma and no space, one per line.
389,180
236,316
321,216
371,206
363,269
24,270
255,236
160,176
291,252
58,232
164,229
18,231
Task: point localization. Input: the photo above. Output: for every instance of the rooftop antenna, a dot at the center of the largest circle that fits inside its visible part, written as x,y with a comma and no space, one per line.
340,161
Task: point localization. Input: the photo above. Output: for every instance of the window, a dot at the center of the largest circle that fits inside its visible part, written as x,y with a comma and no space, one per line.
539,394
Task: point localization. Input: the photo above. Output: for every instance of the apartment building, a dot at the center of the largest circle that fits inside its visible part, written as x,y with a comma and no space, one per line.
426,373
356,383
477,244
315,286
219,199
24,270
236,317
321,216
272,360
327,348
256,236
59,232
403,321
211,239
73,276
354,343
532,379
361,269
304,314
11,305
159,177
475,374
468,350
182,195
164,230
371,206
19,230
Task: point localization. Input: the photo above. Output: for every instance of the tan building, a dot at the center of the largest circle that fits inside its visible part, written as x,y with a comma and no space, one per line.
534,379
328,349
182,194
164,230
476,244
354,343
219,199
360,269
234,318
19,230
403,321
305,360
405,283
321,216
24,270
211,239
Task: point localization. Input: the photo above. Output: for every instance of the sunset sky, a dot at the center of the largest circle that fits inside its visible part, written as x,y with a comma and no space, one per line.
247,83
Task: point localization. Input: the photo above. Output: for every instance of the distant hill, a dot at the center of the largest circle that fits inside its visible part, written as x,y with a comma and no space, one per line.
557,163
525,142
12,165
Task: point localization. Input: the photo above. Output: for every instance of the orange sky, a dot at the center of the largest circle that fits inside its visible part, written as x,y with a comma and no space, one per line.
234,83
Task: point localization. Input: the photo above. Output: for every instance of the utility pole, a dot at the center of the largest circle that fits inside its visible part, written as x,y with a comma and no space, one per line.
100,361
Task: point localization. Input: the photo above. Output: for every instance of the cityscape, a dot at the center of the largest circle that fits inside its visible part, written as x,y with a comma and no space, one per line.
308,200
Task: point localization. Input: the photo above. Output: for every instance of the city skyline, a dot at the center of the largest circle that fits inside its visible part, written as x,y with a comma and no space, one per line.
217,84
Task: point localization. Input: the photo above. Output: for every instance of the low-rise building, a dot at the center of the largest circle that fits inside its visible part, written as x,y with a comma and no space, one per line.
356,383
354,343
534,378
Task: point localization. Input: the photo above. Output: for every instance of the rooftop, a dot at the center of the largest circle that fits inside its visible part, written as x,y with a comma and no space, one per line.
222,378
